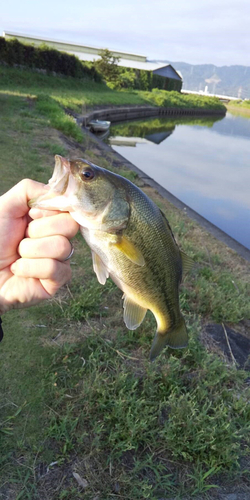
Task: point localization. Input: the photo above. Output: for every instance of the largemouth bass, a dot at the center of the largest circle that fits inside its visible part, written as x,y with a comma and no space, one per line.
130,240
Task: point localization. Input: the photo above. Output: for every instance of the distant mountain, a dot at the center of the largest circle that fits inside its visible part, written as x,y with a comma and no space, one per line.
229,80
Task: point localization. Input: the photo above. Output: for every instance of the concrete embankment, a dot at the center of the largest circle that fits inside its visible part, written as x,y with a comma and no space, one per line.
120,113
116,114
120,161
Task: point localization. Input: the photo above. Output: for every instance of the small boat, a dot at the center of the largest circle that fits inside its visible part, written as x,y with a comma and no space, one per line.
98,125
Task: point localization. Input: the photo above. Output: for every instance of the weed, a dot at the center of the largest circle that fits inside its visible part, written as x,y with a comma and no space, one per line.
53,148
86,303
200,476
62,429
138,430
57,117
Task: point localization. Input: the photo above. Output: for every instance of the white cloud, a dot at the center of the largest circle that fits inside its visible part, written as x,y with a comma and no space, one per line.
194,31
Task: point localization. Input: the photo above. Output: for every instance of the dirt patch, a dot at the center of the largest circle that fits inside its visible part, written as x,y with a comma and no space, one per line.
230,344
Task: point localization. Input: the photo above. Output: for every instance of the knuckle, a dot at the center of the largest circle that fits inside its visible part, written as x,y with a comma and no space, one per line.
53,268
61,277
62,244
73,227
24,184
68,274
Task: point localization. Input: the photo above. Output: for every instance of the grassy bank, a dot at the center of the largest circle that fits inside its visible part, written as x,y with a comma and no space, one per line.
78,394
178,100
239,107
78,96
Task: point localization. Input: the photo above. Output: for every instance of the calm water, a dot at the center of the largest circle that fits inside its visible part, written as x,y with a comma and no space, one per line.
205,163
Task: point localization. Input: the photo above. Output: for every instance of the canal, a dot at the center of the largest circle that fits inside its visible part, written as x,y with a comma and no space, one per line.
205,162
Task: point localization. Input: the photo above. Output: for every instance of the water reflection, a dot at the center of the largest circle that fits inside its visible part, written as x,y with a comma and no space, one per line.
204,162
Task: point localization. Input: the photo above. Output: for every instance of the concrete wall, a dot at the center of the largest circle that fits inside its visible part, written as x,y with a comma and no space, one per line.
133,112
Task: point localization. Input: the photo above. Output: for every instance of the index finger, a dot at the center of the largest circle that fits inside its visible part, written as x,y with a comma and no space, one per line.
56,224
14,203
37,213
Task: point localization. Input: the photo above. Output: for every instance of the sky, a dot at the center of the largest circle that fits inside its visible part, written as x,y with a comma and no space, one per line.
192,31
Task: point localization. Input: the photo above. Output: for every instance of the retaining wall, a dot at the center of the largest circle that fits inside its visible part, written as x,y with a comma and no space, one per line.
132,112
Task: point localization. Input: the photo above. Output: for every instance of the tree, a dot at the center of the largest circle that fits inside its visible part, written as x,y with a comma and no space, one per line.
107,66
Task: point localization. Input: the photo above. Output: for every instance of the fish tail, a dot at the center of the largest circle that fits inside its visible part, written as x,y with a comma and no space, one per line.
176,338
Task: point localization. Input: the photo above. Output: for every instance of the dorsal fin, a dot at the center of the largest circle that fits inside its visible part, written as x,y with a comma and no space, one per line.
187,262
168,226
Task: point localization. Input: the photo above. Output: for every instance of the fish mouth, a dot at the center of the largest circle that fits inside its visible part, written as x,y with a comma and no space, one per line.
60,177
56,197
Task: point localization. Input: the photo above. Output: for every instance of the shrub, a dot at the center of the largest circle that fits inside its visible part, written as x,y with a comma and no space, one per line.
146,80
13,52
176,99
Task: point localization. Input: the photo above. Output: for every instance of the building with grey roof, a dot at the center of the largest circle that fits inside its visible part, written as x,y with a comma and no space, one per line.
89,53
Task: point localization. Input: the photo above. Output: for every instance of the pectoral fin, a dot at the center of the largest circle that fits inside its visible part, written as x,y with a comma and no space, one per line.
99,268
133,313
176,339
130,250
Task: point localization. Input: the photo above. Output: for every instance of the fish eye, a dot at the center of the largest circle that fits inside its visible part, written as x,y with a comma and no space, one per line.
87,174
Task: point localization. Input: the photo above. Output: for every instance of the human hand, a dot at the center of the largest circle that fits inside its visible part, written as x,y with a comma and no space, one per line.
33,247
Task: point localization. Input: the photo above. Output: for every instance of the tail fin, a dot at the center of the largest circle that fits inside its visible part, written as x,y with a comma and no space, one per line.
177,338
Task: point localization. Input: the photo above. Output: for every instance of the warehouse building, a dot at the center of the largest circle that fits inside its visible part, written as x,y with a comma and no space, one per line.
88,53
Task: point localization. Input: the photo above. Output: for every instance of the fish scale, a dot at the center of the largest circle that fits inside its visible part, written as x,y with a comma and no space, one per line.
131,241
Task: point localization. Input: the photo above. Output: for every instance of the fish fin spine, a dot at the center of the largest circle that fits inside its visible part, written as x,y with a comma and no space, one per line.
101,271
187,262
134,314
129,249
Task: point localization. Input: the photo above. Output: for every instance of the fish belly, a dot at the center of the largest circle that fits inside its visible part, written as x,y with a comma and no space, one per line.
136,282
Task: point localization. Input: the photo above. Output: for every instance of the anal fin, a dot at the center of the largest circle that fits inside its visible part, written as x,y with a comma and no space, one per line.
133,313
99,268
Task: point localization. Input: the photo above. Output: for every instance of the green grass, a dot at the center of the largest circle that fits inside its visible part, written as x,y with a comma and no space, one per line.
241,104
77,387
56,98
241,108
177,411
70,92
178,100
79,95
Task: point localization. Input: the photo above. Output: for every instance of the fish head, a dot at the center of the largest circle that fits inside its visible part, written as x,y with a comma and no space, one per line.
81,188
94,187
